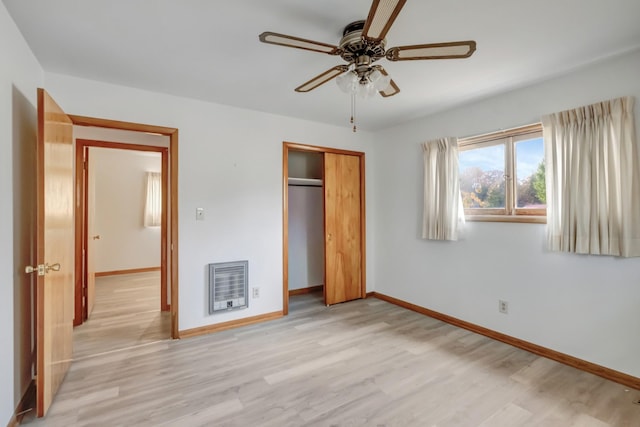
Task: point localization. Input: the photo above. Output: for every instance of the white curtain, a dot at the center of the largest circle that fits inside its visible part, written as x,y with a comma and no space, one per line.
153,205
592,177
443,215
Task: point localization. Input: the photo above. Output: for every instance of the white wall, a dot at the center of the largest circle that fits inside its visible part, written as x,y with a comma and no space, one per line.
20,75
585,306
306,237
230,164
120,192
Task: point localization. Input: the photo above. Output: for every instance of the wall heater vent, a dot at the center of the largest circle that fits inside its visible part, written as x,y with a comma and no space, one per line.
228,286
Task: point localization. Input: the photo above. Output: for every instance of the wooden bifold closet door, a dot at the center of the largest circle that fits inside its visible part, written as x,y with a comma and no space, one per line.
343,228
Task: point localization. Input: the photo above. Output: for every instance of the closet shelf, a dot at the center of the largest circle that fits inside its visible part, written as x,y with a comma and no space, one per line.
307,182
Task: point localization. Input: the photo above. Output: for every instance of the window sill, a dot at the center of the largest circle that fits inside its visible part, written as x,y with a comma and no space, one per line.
532,219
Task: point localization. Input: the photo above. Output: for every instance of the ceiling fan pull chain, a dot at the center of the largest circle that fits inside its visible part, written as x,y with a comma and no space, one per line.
353,110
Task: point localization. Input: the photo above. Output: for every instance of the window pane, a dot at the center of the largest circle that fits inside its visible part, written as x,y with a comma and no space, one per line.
482,177
530,188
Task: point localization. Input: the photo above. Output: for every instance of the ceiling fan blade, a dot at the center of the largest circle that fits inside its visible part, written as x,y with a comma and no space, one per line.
390,90
381,17
297,42
321,79
451,50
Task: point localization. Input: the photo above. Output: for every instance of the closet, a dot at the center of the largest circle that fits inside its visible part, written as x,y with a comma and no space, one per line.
323,223
306,222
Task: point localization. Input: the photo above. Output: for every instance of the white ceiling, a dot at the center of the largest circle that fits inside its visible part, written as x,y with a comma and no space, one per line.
210,50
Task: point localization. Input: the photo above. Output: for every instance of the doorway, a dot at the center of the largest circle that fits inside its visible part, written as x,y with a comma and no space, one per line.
56,240
325,249
124,186
169,219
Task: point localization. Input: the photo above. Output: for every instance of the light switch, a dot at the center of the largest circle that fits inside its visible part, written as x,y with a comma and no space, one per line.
199,214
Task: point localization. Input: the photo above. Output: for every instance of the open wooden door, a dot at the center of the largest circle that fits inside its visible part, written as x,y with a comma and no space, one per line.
343,228
55,256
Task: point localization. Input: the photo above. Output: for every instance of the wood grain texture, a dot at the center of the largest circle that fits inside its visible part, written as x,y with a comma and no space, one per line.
164,234
117,124
79,206
294,146
129,271
55,240
285,228
343,239
232,324
583,365
172,244
291,146
362,363
363,228
89,213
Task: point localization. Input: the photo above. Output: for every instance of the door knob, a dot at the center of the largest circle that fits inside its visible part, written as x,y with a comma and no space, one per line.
35,269
42,269
96,237
53,267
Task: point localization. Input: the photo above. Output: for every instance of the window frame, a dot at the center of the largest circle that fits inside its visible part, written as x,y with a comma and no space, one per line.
509,138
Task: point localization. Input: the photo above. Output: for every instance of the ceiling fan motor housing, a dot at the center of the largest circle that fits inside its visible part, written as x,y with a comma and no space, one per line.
356,50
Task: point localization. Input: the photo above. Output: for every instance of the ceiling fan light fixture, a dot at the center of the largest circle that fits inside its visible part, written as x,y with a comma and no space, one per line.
367,90
374,76
364,83
379,80
347,82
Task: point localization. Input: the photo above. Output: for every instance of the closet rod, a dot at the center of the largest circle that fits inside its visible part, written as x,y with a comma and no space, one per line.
305,182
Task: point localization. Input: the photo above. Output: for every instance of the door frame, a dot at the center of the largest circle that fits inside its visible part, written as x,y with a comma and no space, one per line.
81,218
293,146
169,238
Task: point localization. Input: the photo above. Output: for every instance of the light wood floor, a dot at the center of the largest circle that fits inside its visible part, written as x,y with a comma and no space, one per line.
363,363
126,313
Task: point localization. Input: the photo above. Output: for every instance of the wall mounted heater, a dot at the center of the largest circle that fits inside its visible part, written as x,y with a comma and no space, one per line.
228,286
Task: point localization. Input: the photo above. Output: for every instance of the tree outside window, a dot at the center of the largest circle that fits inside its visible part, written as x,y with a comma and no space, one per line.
502,175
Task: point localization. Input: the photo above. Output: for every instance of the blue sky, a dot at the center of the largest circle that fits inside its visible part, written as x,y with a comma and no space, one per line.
529,154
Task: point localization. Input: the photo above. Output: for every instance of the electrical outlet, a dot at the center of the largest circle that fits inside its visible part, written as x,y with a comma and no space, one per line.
255,292
503,306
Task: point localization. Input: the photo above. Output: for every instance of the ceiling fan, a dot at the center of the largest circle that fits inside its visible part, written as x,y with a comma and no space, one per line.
362,44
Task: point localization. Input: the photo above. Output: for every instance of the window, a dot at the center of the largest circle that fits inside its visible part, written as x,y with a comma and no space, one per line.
502,176
153,204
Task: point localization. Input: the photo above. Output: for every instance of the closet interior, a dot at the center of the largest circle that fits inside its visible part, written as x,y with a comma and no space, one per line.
305,222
